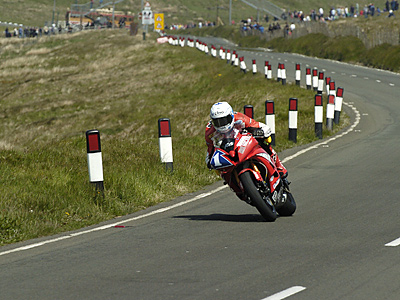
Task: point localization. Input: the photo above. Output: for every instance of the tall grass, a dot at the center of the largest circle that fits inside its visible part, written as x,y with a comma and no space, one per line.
56,89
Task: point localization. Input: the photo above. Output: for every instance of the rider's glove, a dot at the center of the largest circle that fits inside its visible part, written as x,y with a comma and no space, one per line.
267,130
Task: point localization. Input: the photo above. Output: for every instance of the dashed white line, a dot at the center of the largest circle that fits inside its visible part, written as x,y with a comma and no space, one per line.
394,243
286,293
391,84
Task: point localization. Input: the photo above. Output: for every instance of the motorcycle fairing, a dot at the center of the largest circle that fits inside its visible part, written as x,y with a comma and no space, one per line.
220,160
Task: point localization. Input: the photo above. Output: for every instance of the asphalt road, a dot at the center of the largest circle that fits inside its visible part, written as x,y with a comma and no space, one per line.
342,242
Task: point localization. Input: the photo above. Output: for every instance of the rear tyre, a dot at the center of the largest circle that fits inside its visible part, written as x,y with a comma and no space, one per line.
289,207
267,210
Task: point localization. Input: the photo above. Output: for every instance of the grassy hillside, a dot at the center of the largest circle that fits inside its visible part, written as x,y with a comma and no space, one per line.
56,88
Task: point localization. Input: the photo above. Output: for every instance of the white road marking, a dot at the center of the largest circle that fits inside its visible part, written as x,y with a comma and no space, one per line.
394,243
286,293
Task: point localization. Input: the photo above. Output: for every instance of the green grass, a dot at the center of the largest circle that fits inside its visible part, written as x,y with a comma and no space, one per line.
57,88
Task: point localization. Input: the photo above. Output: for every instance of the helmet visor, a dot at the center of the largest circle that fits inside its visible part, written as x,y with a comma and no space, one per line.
220,122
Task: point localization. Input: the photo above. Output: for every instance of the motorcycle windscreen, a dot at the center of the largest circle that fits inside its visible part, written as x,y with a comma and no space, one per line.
246,145
220,160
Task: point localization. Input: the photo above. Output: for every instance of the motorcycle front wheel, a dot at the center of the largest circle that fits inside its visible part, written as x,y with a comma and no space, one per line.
267,210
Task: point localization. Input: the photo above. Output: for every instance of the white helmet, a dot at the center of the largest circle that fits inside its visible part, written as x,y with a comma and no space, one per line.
222,117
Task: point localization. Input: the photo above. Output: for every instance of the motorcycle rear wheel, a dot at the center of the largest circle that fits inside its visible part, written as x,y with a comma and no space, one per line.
266,210
289,207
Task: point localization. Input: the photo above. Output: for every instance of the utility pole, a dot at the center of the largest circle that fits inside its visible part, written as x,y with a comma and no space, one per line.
230,12
217,12
54,11
113,15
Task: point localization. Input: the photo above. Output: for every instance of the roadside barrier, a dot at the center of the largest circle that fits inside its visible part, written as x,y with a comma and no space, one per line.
270,118
266,68
318,115
165,142
293,119
298,74
338,105
95,161
254,67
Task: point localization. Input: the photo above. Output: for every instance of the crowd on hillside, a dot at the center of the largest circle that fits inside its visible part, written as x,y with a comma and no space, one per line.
320,15
32,32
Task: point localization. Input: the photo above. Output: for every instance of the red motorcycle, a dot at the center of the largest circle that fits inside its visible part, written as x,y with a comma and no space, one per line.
239,157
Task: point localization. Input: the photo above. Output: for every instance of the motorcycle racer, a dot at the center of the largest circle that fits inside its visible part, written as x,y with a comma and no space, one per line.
224,121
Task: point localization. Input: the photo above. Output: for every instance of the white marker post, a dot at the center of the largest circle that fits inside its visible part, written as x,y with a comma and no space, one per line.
165,142
249,111
95,161
270,118
279,73
283,74
327,81
293,120
330,112
266,68
254,67
308,78
320,82
269,74
315,79
298,74
318,115
332,89
243,65
233,58
338,105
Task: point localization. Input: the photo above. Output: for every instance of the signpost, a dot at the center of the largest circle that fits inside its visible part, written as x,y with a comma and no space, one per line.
147,15
159,22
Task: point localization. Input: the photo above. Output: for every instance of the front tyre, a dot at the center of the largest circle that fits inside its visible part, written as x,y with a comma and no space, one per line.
267,210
